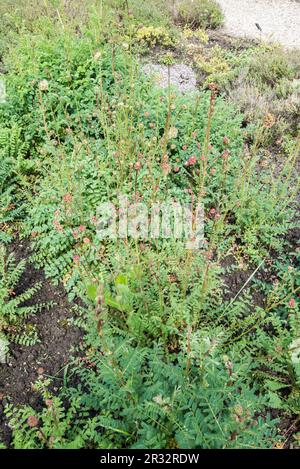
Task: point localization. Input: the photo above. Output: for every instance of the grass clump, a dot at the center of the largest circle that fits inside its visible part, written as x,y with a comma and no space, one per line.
200,14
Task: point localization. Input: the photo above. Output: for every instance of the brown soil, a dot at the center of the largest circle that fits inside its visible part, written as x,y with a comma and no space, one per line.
57,342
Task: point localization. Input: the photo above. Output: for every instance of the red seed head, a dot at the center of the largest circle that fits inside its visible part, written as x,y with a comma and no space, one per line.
166,168
225,154
192,160
292,303
33,421
67,198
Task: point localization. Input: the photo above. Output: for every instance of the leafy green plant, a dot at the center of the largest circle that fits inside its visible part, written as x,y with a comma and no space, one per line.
136,397
13,310
14,170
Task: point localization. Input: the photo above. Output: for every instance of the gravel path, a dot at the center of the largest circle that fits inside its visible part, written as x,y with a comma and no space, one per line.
278,19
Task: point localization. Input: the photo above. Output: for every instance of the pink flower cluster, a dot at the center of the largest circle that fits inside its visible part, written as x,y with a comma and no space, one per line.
191,161
292,303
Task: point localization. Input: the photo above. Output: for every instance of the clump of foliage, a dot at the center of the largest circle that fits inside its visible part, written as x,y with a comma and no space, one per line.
269,83
261,79
146,398
13,311
272,64
200,13
216,67
199,34
152,36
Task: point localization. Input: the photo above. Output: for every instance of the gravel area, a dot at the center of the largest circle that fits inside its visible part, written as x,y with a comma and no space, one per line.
182,76
278,19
